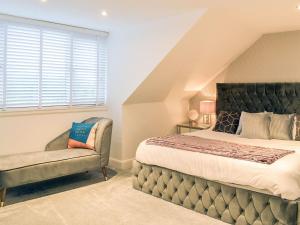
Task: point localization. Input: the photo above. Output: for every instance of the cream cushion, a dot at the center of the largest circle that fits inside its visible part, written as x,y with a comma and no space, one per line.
17,161
243,114
256,126
281,126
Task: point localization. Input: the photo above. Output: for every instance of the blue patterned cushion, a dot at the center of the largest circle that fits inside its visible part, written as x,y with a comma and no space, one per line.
82,135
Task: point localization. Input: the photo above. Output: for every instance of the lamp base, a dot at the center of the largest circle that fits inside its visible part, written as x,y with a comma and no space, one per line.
206,119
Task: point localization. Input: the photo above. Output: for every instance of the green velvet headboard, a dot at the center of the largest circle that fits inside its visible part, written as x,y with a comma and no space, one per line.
279,98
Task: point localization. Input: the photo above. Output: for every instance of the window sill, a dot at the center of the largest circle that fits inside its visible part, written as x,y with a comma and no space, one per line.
25,112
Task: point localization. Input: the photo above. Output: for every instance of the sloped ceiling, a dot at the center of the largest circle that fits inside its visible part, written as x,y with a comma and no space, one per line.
203,51
220,36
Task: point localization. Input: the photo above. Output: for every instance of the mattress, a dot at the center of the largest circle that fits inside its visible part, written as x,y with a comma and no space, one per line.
281,178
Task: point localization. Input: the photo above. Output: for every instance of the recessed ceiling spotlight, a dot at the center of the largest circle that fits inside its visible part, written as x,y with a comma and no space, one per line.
104,13
298,7
44,1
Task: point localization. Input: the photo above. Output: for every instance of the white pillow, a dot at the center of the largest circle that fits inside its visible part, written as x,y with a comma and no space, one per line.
243,114
281,126
256,126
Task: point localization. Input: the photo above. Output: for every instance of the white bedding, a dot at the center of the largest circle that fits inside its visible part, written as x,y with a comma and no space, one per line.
281,178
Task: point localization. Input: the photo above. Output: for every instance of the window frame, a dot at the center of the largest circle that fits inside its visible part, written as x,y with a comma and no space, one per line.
73,31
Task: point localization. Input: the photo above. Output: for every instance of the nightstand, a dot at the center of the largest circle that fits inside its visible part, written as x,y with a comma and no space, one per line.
191,127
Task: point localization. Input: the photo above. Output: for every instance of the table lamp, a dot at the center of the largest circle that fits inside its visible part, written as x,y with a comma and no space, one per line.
207,108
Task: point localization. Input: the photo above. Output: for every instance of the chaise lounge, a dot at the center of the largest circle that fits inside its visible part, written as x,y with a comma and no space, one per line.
57,160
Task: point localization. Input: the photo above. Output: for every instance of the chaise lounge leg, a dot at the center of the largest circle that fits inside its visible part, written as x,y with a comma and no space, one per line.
104,172
2,196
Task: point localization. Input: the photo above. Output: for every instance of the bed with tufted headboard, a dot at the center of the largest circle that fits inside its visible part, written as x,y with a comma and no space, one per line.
229,202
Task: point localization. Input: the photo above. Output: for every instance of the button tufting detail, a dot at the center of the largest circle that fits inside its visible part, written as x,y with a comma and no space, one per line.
231,205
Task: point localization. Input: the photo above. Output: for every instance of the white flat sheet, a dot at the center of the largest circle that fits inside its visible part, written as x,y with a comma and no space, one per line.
282,178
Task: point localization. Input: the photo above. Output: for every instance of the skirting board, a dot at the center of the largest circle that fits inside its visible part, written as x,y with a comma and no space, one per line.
120,164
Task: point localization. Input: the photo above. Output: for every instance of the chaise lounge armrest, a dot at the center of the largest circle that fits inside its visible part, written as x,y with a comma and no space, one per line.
102,142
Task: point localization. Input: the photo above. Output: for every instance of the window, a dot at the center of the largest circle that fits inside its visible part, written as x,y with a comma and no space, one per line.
43,67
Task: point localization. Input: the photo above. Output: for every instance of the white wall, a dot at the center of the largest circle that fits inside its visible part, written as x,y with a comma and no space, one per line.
272,58
134,52
28,133
144,120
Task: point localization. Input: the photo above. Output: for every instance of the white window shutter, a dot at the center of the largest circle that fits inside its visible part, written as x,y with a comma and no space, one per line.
85,71
56,59
22,66
2,63
43,67
102,70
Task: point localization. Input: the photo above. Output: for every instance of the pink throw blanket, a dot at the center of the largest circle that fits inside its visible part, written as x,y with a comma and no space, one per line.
220,148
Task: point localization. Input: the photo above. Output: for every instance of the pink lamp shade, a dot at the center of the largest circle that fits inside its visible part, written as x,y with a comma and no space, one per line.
207,107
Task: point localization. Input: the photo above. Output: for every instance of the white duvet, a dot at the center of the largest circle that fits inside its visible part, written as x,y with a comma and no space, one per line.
281,178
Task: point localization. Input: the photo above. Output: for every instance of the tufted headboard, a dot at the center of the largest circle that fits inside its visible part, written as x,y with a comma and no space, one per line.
279,98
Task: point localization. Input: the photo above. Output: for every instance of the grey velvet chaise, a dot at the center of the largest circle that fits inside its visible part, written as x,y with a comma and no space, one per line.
57,160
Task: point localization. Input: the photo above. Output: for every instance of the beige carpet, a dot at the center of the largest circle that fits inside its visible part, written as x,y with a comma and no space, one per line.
114,202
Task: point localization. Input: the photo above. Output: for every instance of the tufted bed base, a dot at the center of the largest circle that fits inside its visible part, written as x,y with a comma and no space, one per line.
233,205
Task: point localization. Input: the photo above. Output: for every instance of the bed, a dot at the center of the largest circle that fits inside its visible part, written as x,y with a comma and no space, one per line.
232,190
